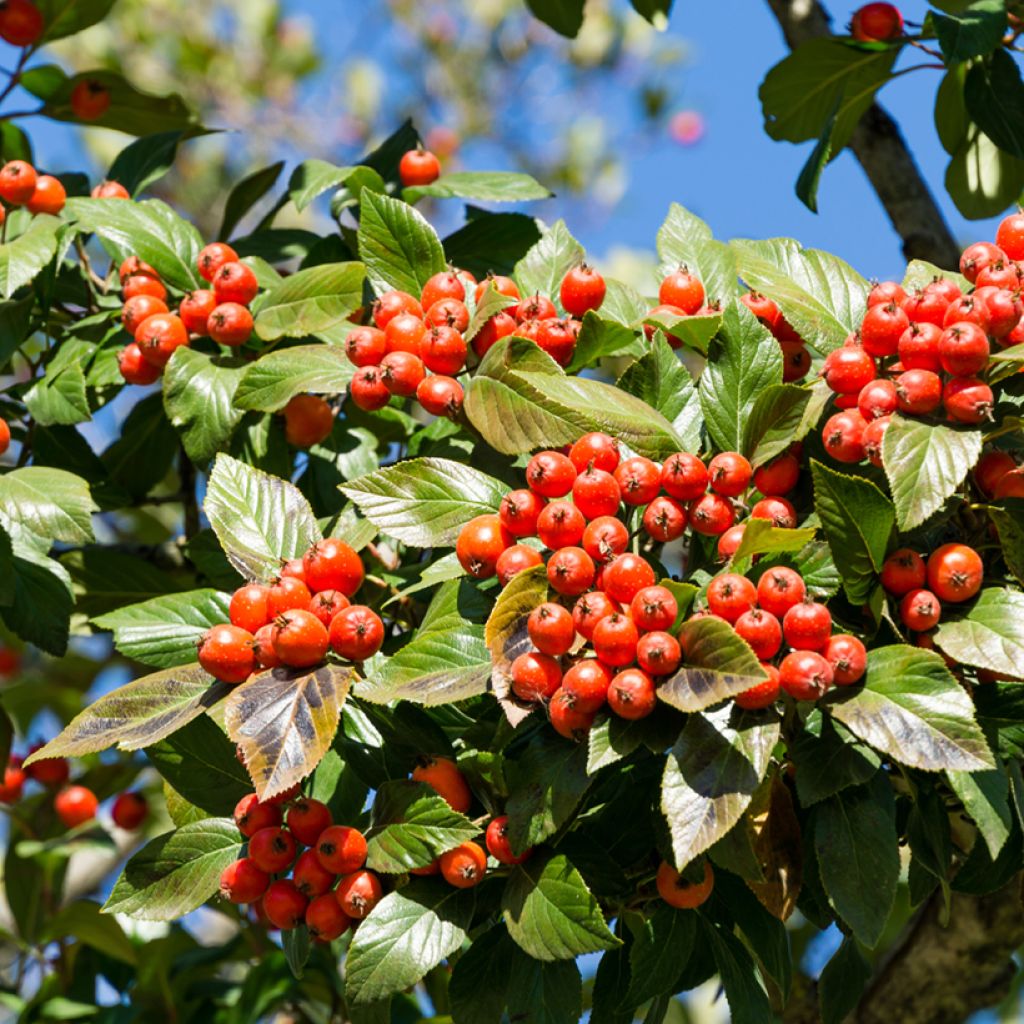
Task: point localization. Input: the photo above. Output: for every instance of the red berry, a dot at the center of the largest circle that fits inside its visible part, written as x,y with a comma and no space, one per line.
712,514
356,633
683,290
243,881
847,370
805,675
369,392
615,640
884,292
571,571
848,658
762,695
877,23
658,653
550,474
654,608
129,811
158,336
918,392
440,395
665,519
418,167
535,676
968,400
558,339
762,307
307,818
582,288
308,420
879,398
299,638
586,683
762,631
881,328
589,610
402,373
251,816
560,524
311,878
358,893
248,608
226,652
443,350
501,325
13,782
963,349
515,560
1010,235
551,630
955,572
365,346
138,308
807,626
920,610
729,474
874,434
235,282
536,307
796,361
919,347
604,538
779,511
639,480
325,919
991,468
684,476
779,476
730,595
392,304
975,258
287,592
498,844
75,805
444,285
596,493
212,257
632,694
567,719
17,182
903,571
596,449
519,511
479,544
51,771
196,308
677,892
331,564
843,436
464,866
49,196
780,589
230,324
21,23
134,367
626,576
272,849
285,905
729,542
340,849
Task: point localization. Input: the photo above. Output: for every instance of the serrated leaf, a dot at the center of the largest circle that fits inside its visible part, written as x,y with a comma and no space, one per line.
925,463
425,502
493,186
662,944
1008,519
685,240
175,873
260,520
990,635
716,664
398,246
480,978
742,362
744,992
541,270
312,178
694,331
491,303
198,393
311,301
59,396
411,826
50,503
550,913
284,722
858,521
986,797
273,380
842,982
138,714
22,259
762,538
41,598
407,933
913,710
774,422
164,631
711,775
827,759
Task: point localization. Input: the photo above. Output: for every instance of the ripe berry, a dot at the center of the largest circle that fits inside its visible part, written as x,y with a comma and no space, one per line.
604,538
285,905
444,777
308,419
143,284
1010,235
195,311
560,524
918,392
139,308
402,373
550,474
639,480
498,845
464,866
327,604
299,638
17,182
626,576
903,571
49,196
881,328
479,544
596,493
796,361
248,608
762,631
632,694
955,572
807,626
515,560
615,639
1011,485
551,629
226,652
21,23
848,658
975,258
519,511
212,257
684,476
843,435
963,349
272,849
263,647
919,347
968,400
991,468
311,878
677,892
654,608
235,282
230,324
712,515
665,519
340,849
365,346
75,805
587,682
285,593
158,336
134,368
779,511
356,633
325,919
582,288
535,676
567,718
920,610
730,595
589,610
847,370
683,290
368,390
879,398
444,285
779,476
501,325
443,350
571,571
243,881
877,23
129,811
762,307
251,816
358,893
536,307
331,564
805,675
418,167
884,292
780,589
440,395
1003,309
90,99
596,449
307,819
558,339
658,653
762,695
394,303
874,434
51,771
13,782
729,542
109,190
729,474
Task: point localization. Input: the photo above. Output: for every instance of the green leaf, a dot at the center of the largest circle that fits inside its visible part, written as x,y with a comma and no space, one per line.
711,774
41,599
716,665
104,580
67,17
284,722
913,710
520,400
858,520
480,979
411,826
544,992
245,194
827,759
312,178
981,178
495,186
59,396
137,714
994,95
742,363
49,503
408,933
600,337
491,303
541,270
975,32
761,538
198,392
684,240
663,943
201,764
991,635
149,229
921,273
564,16
823,297
1008,519
986,797
273,380
842,982
809,179
146,160
296,946
82,920
425,502
614,738
743,990
175,873
260,520
311,301
550,912
774,422
141,457
492,242
22,259
856,845
398,246
821,79
925,463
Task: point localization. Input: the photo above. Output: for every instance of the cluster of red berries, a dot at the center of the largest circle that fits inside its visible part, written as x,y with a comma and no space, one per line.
220,312
416,346
74,804
876,23
998,475
952,574
924,352
796,360
296,618
327,886
22,185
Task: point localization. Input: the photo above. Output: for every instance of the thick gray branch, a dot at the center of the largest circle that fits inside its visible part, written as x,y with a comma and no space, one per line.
880,149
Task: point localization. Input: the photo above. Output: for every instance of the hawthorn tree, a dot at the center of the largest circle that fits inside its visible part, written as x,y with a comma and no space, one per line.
500,642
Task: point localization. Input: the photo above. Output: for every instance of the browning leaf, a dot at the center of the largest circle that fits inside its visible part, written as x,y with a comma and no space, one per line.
777,843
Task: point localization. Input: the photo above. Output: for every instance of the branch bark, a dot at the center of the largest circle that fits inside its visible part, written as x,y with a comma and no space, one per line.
880,149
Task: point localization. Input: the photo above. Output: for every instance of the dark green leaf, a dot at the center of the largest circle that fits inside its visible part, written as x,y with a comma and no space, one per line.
59,396
977,31
544,992
41,599
564,16
991,635
986,796
774,422
479,983
994,95
104,580
145,160
492,242
198,393
809,179
398,246
245,194
842,982
827,759
981,178
141,457
312,178
82,920
662,944
747,999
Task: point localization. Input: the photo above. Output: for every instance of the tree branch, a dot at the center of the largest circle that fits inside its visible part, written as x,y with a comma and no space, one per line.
880,149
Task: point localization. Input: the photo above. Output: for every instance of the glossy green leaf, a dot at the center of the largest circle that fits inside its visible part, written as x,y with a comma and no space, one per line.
684,240
774,422
986,798
49,503
198,393
312,178
67,17
398,246
976,31
1008,519
273,380
663,942
22,259
59,396
990,635
762,538
492,186
981,178
994,95
541,270
245,194
564,16
311,301
827,759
